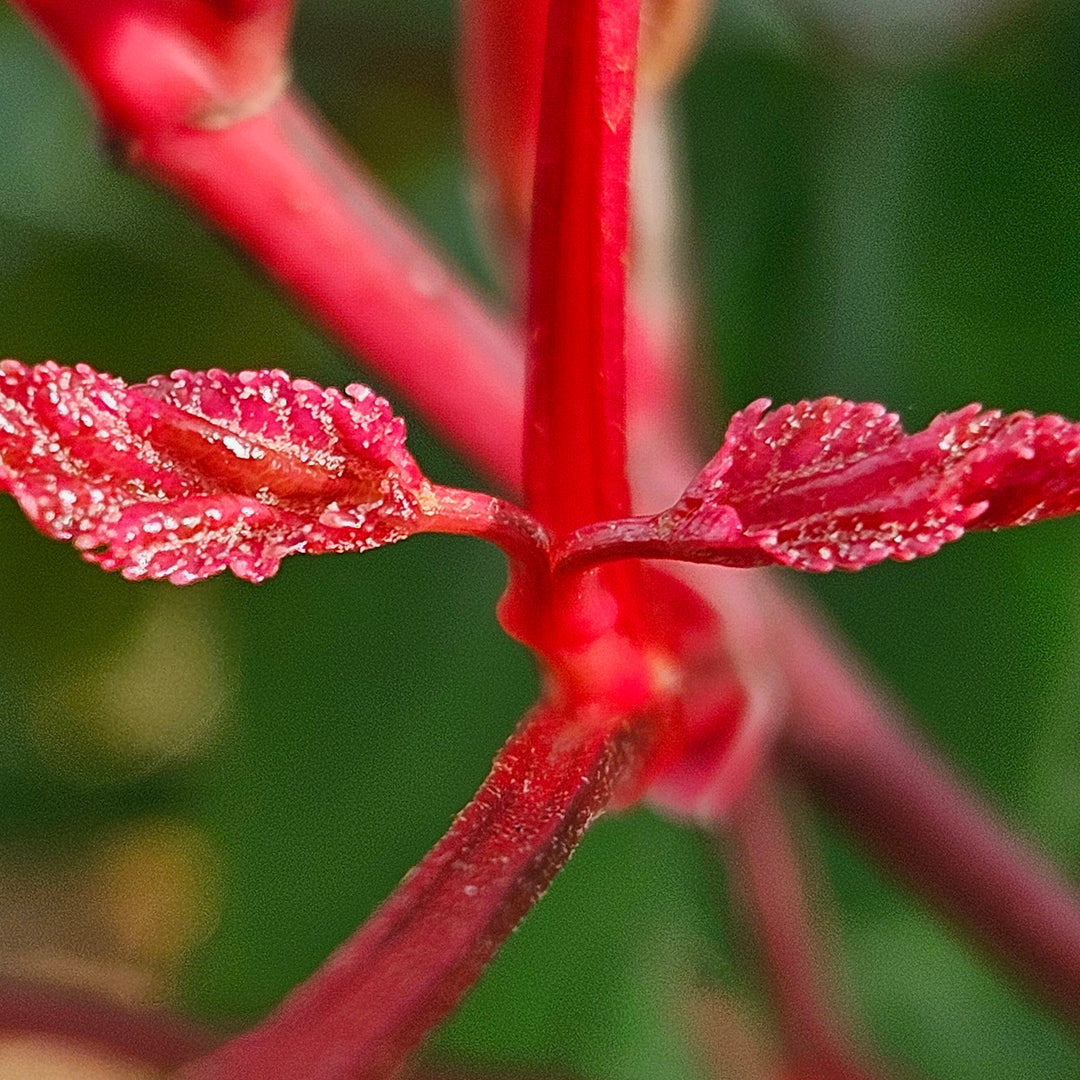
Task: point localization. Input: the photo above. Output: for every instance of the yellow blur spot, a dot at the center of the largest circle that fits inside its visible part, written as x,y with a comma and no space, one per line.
156,884
153,699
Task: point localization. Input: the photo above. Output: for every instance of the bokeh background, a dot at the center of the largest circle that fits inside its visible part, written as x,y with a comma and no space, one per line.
202,791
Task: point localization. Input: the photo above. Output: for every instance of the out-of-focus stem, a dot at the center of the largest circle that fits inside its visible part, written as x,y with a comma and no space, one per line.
896,796
277,185
432,1073
150,1037
192,93
845,745
365,1010
796,966
502,54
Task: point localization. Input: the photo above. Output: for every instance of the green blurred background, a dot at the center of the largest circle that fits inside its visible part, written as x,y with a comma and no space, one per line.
202,791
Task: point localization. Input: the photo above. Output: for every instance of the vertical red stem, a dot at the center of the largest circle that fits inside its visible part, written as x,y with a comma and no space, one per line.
575,439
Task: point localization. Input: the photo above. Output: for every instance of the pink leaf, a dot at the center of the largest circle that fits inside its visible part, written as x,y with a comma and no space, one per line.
192,474
832,484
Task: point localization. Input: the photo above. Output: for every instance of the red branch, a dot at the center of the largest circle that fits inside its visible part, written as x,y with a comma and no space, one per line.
892,793
155,64
277,185
575,439
796,964
361,1014
151,1037
191,92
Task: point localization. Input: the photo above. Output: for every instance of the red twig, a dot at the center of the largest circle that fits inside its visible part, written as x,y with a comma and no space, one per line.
361,1014
192,94
894,794
152,1037
796,966
278,186
575,398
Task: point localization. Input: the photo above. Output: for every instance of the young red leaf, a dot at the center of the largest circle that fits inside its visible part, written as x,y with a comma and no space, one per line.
832,484
188,475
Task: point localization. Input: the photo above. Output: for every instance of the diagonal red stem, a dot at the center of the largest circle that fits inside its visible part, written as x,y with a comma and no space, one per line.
155,64
363,1012
894,794
191,94
795,962
575,439
278,186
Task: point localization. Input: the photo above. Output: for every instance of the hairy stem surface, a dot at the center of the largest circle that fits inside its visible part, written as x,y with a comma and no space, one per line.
364,1011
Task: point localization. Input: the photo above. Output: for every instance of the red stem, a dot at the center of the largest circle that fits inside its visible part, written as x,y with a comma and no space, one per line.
150,1037
609,541
154,65
191,93
648,538
796,964
575,438
363,1012
433,1073
894,794
515,531
501,66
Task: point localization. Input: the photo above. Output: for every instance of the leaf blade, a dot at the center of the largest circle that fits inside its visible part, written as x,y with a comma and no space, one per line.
195,473
832,484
